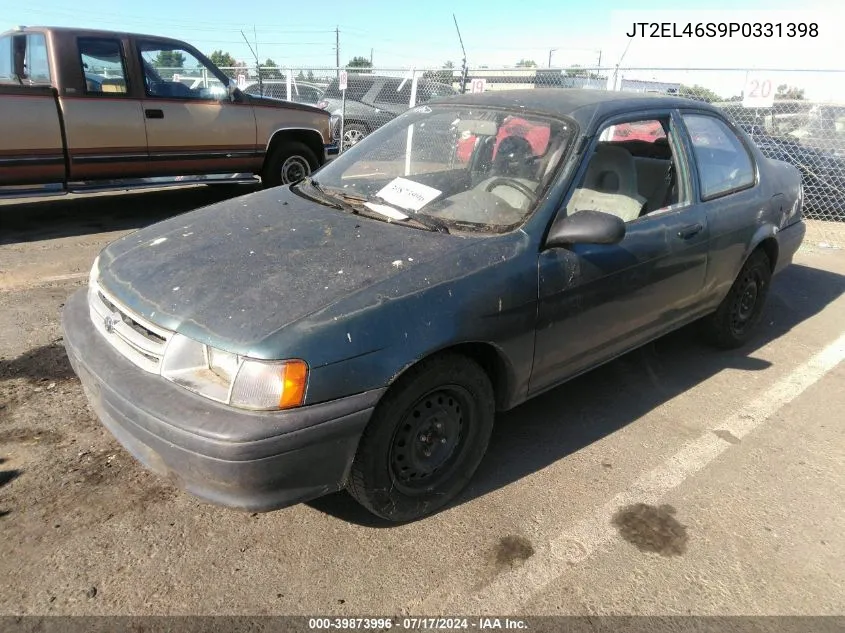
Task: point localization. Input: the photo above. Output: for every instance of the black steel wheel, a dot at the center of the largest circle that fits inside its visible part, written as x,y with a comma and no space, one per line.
425,439
739,314
429,438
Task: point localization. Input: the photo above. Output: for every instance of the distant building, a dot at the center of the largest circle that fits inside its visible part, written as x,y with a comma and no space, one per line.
639,85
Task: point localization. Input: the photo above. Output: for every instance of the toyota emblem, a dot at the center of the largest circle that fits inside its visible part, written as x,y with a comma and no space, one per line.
110,321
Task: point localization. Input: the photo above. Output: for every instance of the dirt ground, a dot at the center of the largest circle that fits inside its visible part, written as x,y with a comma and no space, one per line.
674,480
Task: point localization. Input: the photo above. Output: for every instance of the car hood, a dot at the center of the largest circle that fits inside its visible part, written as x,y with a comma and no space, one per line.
235,272
282,104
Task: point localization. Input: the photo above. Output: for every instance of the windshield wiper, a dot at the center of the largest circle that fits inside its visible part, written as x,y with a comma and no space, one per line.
425,221
318,194
359,200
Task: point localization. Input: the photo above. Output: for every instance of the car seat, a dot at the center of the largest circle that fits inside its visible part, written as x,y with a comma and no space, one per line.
610,185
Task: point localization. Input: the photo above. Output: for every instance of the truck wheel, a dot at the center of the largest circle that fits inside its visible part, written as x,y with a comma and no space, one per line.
288,162
425,440
353,133
737,317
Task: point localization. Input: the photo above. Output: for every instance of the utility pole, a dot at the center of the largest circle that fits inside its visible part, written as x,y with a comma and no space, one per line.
337,49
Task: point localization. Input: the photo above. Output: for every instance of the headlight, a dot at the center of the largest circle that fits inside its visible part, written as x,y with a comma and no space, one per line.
94,275
232,379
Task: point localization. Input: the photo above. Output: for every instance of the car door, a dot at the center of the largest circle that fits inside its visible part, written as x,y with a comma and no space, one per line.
599,300
193,130
104,124
727,187
392,96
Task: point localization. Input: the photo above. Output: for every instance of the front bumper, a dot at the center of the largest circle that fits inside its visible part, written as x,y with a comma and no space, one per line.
250,460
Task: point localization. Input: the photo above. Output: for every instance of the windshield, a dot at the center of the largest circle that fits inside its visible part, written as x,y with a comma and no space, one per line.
470,168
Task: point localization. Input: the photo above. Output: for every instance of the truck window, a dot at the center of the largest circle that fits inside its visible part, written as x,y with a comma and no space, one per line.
35,60
6,59
37,66
175,73
103,66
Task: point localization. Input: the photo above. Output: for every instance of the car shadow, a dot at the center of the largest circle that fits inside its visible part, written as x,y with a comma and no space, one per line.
37,219
7,476
48,362
568,418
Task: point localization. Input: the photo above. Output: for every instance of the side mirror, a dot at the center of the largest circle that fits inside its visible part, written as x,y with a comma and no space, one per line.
233,90
587,227
19,45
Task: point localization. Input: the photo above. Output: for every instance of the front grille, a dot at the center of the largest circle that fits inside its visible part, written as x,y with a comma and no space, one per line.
137,339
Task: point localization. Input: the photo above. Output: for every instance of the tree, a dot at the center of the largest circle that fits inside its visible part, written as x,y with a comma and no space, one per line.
359,64
169,59
445,76
310,75
789,92
270,70
221,59
577,71
526,63
700,93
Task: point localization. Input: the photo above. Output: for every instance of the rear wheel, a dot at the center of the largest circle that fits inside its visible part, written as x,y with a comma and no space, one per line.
425,440
735,321
288,162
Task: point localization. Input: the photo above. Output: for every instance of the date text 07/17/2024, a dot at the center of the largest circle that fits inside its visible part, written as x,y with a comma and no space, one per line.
416,623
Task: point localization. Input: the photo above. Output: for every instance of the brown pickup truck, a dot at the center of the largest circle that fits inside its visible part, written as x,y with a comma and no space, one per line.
88,110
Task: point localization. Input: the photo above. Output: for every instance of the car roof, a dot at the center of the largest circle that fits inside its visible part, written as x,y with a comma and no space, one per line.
583,105
88,33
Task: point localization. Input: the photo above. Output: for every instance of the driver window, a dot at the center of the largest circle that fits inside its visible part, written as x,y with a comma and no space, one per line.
631,172
173,72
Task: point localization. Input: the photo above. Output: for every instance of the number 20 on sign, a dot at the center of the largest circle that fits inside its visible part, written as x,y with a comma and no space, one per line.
759,91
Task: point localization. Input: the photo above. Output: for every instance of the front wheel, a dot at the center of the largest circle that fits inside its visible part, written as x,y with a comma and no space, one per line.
353,134
425,440
736,319
288,162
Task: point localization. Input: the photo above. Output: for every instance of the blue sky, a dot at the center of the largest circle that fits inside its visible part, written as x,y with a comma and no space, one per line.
496,32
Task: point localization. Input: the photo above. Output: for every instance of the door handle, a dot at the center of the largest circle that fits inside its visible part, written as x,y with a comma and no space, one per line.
154,114
690,231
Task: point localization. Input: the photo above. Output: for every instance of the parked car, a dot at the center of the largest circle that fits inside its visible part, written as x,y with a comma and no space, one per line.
360,329
301,92
373,100
84,110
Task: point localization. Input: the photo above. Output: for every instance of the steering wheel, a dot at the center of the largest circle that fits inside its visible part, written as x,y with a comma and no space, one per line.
513,184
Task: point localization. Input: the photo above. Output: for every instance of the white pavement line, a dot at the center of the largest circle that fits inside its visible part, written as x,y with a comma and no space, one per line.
576,543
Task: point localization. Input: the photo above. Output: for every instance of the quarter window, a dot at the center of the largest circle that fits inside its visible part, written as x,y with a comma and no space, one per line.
102,65
724,164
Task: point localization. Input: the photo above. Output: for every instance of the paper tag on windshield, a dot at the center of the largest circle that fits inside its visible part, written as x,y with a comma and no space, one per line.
386,210
408,194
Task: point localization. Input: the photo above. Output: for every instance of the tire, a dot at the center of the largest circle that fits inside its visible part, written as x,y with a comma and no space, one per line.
736,319
407,466
288,162
353,133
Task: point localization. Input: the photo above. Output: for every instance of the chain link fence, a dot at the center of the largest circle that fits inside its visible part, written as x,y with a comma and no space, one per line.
806,132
